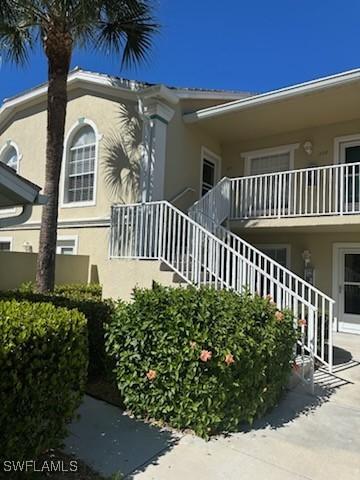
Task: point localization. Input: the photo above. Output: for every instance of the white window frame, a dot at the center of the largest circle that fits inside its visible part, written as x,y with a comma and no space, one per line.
82,122
212,157
342,142
7,240
268,152
10,144
277,246
74,238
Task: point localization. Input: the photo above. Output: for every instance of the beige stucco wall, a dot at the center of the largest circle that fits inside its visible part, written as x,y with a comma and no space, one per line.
183,162
121,276
118,277
17,268
92,242
117,172
322,139
321,248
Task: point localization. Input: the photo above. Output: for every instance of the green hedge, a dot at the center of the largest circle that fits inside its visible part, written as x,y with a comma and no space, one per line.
200,359
43,363
85,291
97,313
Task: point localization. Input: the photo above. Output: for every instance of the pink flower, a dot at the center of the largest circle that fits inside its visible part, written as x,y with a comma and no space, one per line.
229,359
205,355
151,375
296,367
279,316
302,322
270,299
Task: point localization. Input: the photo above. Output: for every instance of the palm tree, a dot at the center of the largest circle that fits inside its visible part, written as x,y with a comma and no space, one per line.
120,27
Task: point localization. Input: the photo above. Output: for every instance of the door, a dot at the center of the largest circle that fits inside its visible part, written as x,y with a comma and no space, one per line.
350,154
349,290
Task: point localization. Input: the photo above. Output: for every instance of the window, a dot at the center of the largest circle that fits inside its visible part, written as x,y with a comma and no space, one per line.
209,171
10,157
66,246
279,253
5,244
270,164
270,160
80,167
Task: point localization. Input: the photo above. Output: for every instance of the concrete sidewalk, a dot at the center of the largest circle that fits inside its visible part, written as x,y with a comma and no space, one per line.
305,437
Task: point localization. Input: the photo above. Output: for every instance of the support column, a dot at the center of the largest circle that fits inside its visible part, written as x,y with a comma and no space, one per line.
156,117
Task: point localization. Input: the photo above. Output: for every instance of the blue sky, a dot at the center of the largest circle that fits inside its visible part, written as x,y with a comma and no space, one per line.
253,45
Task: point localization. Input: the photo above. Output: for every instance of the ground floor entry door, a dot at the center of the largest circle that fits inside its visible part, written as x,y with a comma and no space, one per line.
348,279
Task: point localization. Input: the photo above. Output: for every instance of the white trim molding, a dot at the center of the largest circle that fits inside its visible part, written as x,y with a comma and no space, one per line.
312,86
74,238
272,151
8,239
81,122
8,144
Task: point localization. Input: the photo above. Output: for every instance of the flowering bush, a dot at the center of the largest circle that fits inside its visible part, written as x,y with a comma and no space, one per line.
200,359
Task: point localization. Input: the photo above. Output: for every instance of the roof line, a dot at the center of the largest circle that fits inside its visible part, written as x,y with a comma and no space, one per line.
274,95
129,87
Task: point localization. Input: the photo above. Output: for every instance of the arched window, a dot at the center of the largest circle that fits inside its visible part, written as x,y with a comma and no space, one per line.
80,166
10,157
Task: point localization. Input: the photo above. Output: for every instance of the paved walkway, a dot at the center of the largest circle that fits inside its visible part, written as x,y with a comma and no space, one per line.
305,437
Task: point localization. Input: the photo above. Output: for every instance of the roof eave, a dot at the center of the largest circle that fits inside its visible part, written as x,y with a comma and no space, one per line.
274,96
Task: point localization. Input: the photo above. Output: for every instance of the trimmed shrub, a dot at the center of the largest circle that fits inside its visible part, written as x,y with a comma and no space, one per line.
97,313
200,359
43,362
86,291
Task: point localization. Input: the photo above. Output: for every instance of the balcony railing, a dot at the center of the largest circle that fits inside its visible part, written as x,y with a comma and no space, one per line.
319,191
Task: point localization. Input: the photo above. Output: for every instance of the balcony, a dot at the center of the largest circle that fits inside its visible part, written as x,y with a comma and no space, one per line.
332,190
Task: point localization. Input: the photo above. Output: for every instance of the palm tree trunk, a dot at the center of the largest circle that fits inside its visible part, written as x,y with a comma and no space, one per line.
58,69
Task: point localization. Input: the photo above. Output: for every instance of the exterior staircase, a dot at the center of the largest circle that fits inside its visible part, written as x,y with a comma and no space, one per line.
200,250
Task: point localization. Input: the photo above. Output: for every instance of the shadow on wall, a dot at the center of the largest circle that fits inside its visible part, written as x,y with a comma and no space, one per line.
121,161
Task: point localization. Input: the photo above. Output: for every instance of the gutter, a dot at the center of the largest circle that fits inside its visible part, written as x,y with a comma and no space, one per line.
275,95
25,214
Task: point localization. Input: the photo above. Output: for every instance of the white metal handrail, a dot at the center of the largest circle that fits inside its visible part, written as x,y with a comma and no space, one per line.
322,303
215,204
157,230
317,191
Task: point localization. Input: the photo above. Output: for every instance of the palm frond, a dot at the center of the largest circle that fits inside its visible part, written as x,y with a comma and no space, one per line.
126,28
18,30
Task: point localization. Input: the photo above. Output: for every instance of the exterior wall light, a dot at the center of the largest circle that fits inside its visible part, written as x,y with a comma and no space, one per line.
28,247
308,147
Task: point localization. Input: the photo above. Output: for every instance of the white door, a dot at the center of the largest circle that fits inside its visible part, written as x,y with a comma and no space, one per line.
350,153
349,290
